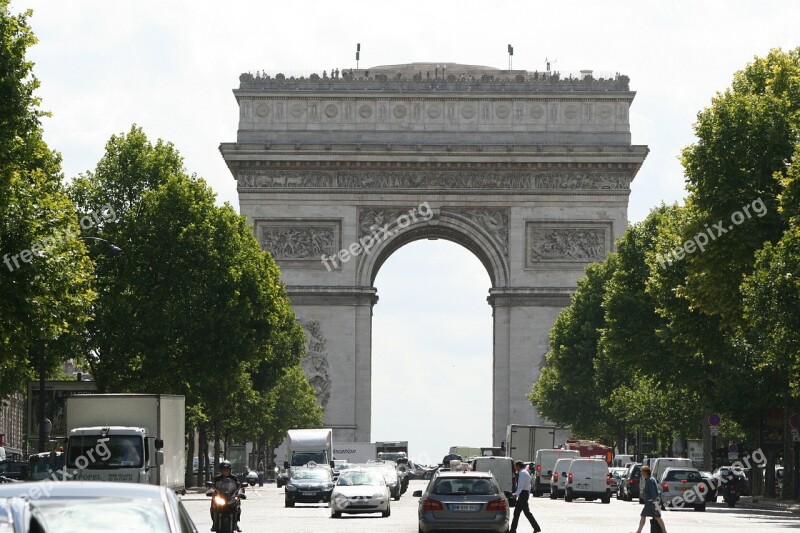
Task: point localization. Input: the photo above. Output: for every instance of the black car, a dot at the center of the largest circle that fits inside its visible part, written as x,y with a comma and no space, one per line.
308,484
631,483
14,471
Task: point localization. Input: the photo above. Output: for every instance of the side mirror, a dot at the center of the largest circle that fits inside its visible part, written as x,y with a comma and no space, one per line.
159,443
159,458
286,464
417,494
242,496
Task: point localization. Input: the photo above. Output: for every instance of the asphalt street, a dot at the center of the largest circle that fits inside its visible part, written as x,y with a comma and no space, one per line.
264,511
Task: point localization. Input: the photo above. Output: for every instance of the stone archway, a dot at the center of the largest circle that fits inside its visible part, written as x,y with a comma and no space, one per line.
531,172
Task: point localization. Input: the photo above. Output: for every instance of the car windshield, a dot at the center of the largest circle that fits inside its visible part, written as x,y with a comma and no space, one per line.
98,514
680,475
464,486
361,478
112,451
316,474
300,459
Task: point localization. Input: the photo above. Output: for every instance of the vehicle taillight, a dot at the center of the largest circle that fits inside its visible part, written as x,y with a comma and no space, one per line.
665,487
497,505
702,488
608,479
432,505
538,468
569,478
684,481
631,482
555,477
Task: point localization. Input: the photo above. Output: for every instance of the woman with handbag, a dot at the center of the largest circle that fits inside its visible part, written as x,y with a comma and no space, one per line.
651,501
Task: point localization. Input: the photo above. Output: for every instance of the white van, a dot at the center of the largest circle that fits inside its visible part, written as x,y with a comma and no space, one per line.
588,479
622,461
545,463
658,465
502,468
559,480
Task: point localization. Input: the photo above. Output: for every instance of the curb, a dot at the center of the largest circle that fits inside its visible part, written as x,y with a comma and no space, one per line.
772,505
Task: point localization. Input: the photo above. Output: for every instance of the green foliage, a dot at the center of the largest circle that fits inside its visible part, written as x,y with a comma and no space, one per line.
745,139
192,306
772,311
45,300
565,392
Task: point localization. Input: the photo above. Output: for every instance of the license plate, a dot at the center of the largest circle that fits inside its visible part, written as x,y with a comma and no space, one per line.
463,508
309,494
583,485
360,502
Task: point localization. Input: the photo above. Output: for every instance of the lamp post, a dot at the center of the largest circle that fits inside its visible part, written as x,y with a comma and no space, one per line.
45,425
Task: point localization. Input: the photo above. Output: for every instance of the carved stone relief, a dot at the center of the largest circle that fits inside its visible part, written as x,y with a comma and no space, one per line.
566,242
428,179
494,222
315,363
292,241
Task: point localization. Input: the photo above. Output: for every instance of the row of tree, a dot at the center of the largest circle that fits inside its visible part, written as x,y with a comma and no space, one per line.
698,309
192,305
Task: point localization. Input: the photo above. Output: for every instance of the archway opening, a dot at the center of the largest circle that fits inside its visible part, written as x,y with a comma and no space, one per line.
432,350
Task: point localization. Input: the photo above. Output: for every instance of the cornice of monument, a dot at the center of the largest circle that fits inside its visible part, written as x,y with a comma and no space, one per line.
435,78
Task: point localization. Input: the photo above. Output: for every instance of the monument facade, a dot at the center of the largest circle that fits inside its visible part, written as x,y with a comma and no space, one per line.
530,171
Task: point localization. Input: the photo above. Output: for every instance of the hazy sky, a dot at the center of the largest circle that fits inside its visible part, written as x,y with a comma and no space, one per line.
170,66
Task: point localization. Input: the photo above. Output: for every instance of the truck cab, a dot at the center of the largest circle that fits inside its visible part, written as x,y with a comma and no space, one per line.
113,453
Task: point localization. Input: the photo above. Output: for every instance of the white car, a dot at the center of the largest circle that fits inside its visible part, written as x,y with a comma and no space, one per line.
558,482
360,491
545,463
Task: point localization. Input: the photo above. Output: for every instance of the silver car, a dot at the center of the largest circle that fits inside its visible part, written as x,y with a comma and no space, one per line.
463,501
54,506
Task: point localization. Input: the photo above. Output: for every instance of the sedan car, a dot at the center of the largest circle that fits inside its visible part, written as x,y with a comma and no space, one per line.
360,490
631,483
87,506
463,501
308,484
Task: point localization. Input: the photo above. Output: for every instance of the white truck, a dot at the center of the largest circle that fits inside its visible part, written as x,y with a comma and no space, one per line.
134,438
354,452
522,442
307,445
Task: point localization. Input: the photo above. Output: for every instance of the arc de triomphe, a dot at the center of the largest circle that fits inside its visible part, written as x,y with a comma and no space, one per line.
530,171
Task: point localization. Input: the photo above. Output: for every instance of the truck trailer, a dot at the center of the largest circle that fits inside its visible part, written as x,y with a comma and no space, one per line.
134,438
309,445
522,442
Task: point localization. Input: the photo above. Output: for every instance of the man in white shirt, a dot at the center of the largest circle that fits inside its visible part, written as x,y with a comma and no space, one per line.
522,494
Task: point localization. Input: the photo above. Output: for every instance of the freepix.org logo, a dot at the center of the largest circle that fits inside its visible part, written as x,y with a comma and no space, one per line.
379,234
39,249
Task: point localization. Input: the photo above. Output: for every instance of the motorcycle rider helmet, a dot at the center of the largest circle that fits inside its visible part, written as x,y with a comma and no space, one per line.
225,464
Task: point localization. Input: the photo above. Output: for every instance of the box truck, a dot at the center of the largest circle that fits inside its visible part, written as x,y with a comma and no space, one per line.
309,445
135,438
354,452
522,442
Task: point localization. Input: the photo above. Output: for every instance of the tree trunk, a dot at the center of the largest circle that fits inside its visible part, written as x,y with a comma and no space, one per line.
216,448
189,478
788,452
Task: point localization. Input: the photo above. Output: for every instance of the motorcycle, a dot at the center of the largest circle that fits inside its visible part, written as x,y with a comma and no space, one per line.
225,504
729,492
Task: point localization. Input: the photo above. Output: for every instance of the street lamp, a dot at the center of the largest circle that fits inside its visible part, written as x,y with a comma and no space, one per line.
45,425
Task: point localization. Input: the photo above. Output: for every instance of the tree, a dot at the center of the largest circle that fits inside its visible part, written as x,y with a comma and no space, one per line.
745,139
566,390
45,275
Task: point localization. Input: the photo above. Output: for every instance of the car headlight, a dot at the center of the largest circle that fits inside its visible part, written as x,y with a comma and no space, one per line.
328,486
377,495
291,488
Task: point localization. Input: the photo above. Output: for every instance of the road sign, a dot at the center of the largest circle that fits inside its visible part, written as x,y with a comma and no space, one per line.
714,431
794,422
714,419
733,448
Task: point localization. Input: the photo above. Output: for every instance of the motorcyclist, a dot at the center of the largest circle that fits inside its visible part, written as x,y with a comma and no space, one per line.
225,472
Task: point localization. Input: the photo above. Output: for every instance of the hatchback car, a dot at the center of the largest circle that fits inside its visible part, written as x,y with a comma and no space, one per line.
463,501
631,483
360,490
89,506
308,484
683,487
